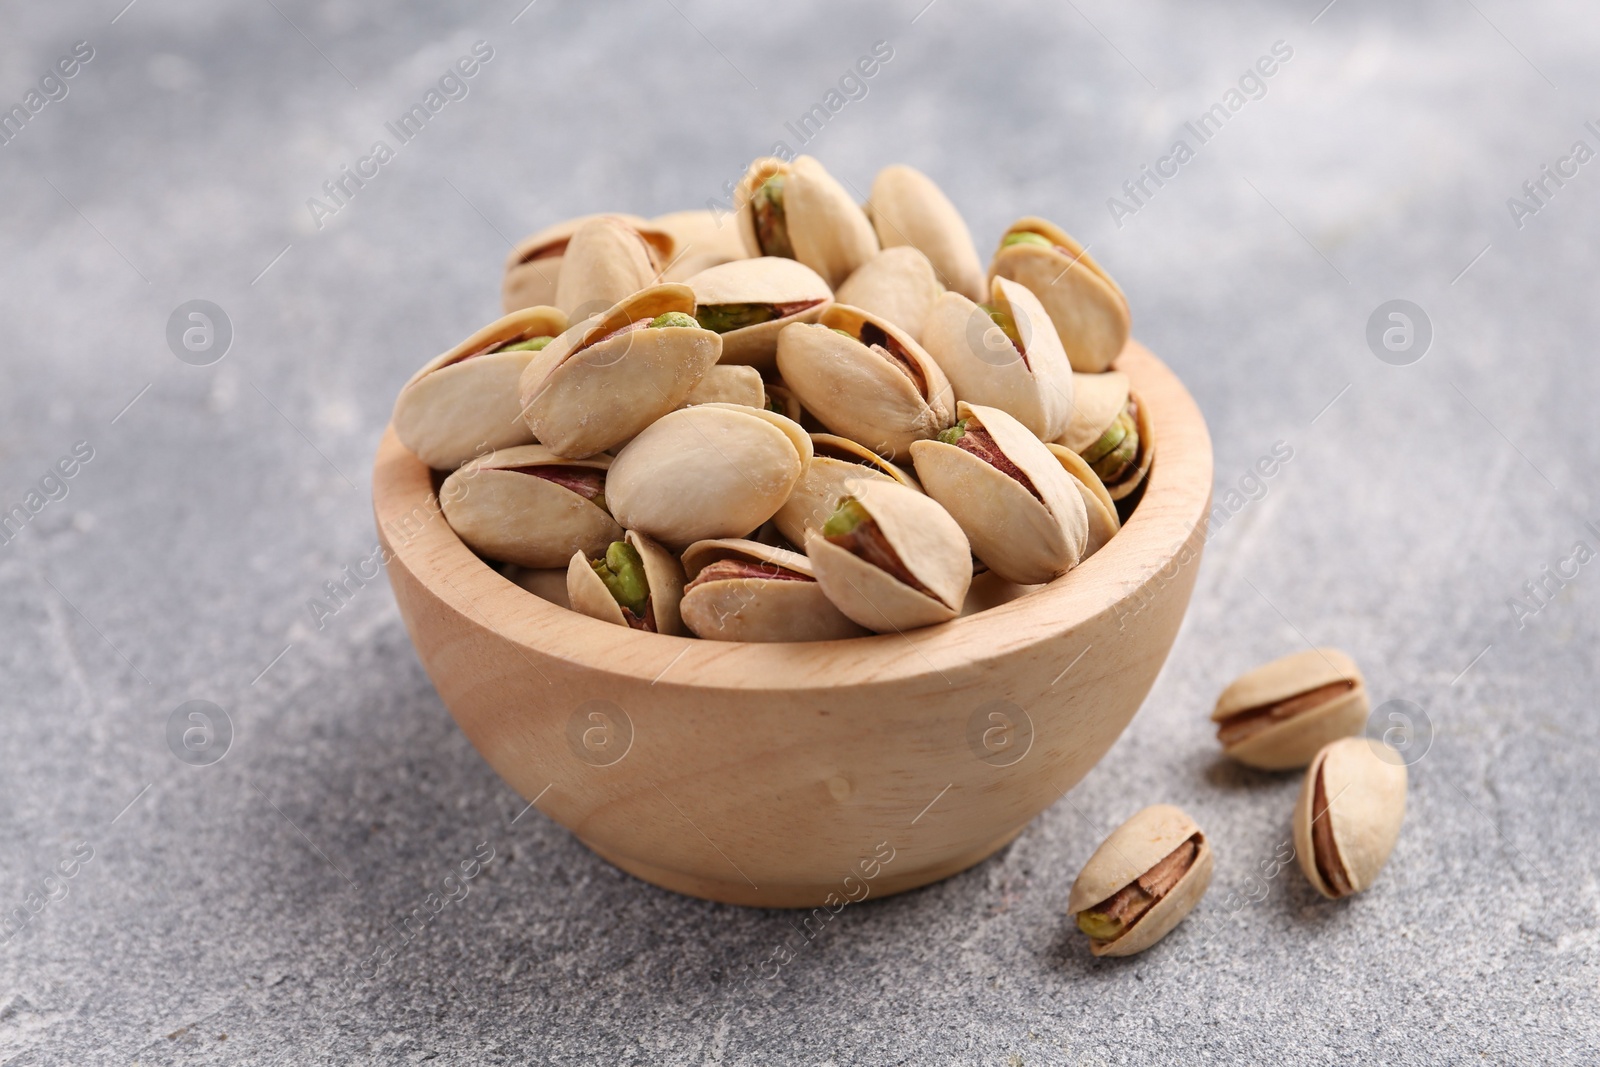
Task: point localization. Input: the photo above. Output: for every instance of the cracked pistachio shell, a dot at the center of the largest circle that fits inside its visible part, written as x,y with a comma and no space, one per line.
927,541
1123,489
1098,506
505,514
546,583
753,608
607,260
1097,399
1130,851
857,392
712,470
984,366
1024,538
1290,708
989,590
701,240
763,280
907,208
897,285
1087,307
534,265
464,403
725,384
589,595
1364,801
834,461
828,232
587,391
784,402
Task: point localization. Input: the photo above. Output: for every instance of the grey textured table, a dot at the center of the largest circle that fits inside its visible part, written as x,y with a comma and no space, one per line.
223,913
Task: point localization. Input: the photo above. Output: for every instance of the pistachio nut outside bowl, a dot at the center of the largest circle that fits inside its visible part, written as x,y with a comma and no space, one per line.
799,775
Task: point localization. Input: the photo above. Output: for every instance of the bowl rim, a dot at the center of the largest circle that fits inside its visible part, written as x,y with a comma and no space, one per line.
1171,515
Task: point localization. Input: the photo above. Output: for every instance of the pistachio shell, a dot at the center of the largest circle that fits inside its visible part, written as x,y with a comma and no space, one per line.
464,403
701,240
1097,399
754,608
1122,491
1131,850
1089,311
725,384
1364,799
589,595
827,231
505,514
927,541
834,462
1024,538
784,402
857,392
898,285
1099,508
534,265
907,208
764,280
1291,708
985,366
546,583
989,590
587,391
713,470
608,260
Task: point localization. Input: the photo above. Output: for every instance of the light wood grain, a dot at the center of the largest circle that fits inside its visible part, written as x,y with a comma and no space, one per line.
769,774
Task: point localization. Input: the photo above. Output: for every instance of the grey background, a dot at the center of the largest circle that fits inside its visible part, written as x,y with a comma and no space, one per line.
239,898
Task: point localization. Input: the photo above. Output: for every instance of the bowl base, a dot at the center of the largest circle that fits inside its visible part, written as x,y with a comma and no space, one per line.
808,895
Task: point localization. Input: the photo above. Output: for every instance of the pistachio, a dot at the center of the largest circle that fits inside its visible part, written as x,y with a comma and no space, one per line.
701,240
1089,311
897,285
634,583
890,558
1020,509
674,318
907,208
607,378
865,379
749,301
1281,714
606,261
464,402
534,265
725,384
1004,354
708,471
1100,509
528,506
797,210
834,462
1111,430
743,590
1347,819
1141,882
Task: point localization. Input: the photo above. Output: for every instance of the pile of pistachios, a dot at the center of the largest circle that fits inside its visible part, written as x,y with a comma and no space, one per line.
1303,710
805,420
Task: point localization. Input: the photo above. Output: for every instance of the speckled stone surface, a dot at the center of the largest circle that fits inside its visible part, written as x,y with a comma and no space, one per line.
225,912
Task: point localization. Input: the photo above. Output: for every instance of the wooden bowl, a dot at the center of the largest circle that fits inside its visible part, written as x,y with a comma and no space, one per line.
798,775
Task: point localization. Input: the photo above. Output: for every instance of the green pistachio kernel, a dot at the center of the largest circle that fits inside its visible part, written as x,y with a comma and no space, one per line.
772,225
1098,926
673,318
954,433
1002,318
1111,439
849,515
1026,237
532,344
844,333
724,318
623,572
